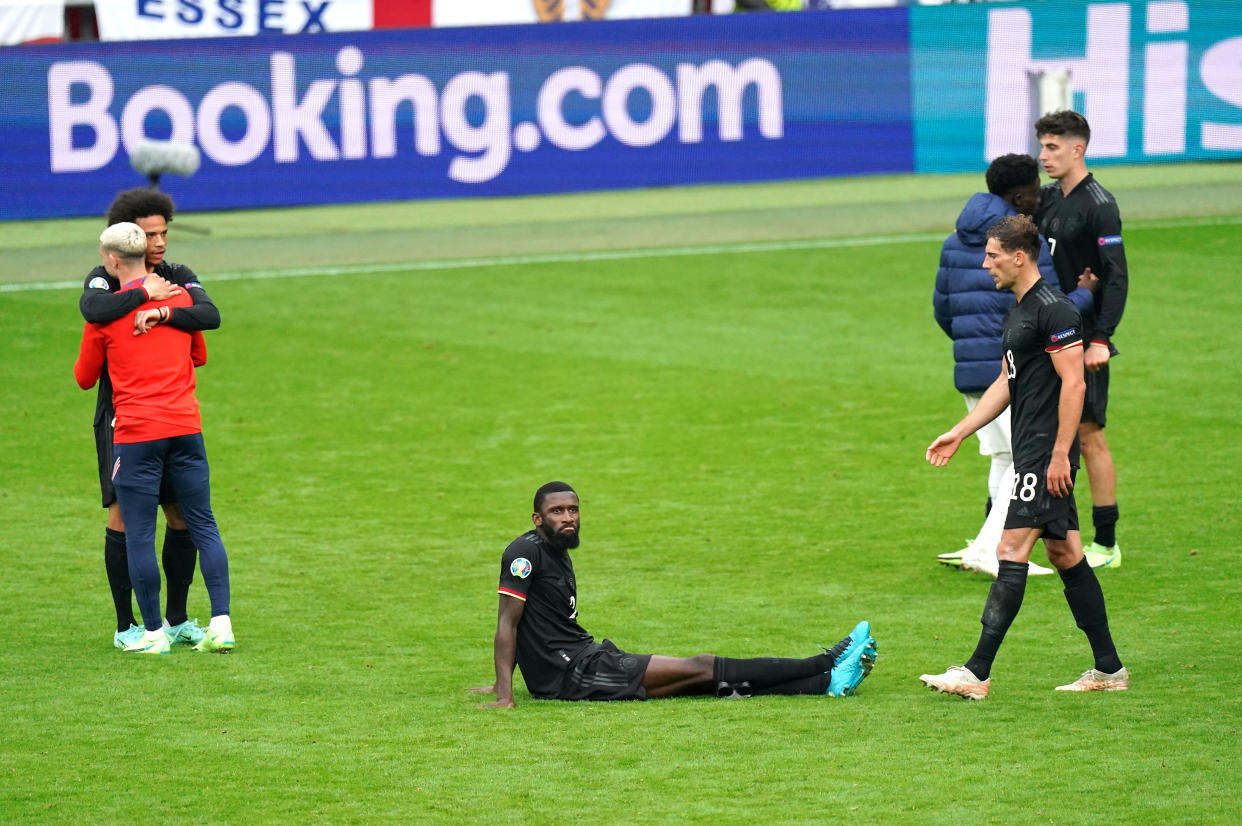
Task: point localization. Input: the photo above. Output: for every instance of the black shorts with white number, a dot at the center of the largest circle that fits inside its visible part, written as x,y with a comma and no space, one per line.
1032,506
604,672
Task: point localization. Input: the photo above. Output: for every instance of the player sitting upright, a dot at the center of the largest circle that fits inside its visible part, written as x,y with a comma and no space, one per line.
537,629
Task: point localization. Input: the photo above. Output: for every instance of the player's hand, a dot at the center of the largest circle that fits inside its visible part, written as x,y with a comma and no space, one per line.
491,689
144,320
159,288
1097,356
1089,280
1060,483
941,451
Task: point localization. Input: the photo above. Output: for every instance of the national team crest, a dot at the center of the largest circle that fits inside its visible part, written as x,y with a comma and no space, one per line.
520,567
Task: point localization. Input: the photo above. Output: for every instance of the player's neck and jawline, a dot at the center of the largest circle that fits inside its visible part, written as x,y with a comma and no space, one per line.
1070,180
1026,282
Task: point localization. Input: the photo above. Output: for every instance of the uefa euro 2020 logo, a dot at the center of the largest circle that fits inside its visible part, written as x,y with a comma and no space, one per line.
520,568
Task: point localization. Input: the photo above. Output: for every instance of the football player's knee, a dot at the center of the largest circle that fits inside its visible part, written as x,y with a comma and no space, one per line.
1094,444
705,665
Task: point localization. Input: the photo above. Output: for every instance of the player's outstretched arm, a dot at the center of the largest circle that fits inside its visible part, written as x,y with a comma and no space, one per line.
505,651
995,400
942,448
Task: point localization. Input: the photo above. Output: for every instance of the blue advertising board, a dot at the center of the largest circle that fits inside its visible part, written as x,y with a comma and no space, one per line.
1158,81
438,113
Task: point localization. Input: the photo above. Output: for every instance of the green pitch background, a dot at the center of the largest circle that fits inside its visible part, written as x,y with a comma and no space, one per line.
741,382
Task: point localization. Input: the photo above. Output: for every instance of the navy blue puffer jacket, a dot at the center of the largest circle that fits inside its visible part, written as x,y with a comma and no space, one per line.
967,305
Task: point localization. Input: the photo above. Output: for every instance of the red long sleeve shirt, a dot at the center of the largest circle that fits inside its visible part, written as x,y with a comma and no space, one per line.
152,374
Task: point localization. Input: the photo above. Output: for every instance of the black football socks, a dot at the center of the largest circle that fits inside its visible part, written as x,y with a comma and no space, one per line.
116,563
765,672
1104,518
1004,600
1086,601
180,556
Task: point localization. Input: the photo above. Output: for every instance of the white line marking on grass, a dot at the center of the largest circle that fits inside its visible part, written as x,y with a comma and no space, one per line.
601,255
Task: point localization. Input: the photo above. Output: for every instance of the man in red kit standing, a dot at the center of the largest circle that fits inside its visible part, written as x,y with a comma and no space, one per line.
158,431
102,301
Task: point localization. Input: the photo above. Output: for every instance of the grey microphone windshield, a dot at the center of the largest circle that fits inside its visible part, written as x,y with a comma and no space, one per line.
155,158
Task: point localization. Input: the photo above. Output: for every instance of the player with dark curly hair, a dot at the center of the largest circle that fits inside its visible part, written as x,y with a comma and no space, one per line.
102,302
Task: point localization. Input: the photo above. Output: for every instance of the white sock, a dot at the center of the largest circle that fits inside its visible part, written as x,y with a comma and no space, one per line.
153,636
990,534
221,624
1001,462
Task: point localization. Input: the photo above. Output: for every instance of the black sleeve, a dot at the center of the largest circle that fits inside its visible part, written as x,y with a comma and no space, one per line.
101,304
203,315
1114,275
521,564
1061,325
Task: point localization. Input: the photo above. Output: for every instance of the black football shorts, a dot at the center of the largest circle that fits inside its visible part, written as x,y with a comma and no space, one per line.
1031,505
604,672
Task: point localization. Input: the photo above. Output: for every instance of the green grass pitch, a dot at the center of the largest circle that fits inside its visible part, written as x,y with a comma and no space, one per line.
740,382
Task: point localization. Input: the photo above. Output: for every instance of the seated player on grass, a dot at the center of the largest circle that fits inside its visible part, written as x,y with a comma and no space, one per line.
537,629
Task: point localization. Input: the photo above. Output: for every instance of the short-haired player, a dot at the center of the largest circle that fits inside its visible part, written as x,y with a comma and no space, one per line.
1041,379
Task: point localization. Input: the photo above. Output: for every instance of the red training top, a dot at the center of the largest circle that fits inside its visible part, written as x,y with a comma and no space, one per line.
152,374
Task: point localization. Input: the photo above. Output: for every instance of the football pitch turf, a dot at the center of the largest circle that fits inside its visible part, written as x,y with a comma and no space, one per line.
741,383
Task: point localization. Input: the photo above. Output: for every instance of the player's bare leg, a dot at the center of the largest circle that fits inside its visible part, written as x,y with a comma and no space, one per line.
1099,462
172,516
1016,544
678,676
1064,553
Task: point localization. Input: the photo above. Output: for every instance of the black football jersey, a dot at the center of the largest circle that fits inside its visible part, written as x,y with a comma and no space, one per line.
1042,323
548,635
1084,230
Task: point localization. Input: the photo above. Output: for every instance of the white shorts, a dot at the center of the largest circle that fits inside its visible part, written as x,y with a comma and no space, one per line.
994,437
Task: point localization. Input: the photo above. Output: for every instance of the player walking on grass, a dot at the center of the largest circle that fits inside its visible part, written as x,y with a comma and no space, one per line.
158,434
102,302
537,629
970,310
1081,221
1041,379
